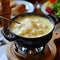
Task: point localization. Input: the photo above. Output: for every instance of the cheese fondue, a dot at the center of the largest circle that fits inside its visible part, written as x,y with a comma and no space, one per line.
31,26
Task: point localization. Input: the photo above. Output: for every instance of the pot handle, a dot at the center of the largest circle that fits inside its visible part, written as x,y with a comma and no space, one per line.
8,35
55,19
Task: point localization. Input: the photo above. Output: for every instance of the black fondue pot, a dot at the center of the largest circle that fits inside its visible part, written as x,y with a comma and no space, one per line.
30,42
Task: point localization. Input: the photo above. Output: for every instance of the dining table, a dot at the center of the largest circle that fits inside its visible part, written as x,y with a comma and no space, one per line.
57,41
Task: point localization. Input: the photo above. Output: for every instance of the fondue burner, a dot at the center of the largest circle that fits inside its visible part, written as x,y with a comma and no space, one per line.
31,48
14,52
28,51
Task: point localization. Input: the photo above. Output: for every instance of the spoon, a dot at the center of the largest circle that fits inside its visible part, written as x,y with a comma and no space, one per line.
9,19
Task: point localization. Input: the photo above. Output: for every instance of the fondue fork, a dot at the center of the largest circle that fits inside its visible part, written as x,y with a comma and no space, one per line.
9,19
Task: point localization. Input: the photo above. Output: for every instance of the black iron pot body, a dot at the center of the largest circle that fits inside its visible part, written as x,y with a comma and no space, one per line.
31,42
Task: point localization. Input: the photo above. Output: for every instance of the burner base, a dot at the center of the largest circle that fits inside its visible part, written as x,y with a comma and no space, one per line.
46,55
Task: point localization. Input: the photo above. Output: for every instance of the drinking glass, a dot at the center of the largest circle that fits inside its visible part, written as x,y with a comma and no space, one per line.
36,3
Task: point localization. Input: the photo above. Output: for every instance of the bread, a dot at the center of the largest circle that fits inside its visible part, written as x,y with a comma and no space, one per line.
14,11
13,4
19,9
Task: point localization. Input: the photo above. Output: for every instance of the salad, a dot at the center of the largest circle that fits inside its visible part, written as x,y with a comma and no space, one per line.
53,7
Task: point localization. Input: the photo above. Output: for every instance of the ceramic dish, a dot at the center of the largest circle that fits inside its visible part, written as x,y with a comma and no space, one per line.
43,8
57,28
29,6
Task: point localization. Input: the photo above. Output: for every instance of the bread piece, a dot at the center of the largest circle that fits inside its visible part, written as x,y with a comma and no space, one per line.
13,4
14,11
19,9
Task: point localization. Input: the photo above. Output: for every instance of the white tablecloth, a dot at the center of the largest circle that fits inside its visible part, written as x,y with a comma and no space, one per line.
3,53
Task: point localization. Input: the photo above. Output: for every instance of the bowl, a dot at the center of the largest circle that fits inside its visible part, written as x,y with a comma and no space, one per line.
30,42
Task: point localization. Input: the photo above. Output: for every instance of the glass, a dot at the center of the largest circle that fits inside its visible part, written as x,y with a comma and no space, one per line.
36,3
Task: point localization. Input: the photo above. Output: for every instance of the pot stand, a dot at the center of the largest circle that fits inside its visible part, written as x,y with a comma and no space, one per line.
29,51
49,51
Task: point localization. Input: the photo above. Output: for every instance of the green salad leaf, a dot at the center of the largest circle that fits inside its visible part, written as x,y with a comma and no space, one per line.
56,8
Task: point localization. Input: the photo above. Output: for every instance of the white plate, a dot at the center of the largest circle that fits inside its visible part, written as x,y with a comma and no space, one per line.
43,8
29,6
57,27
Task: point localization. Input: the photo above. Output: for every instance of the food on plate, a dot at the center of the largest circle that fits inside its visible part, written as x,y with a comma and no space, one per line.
52,1
19,9
53,7
15,8
32,26
13,4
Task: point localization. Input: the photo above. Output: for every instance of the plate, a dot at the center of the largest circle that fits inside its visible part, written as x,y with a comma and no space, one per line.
57,27
43,8
29,6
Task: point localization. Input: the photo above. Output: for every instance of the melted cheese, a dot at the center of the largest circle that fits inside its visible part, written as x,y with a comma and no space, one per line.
32,26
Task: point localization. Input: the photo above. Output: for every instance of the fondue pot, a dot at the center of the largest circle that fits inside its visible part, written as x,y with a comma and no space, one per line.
30,43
